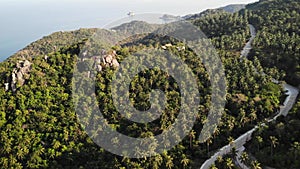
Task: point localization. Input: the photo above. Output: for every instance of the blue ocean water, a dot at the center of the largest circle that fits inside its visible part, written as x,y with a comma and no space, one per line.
23,22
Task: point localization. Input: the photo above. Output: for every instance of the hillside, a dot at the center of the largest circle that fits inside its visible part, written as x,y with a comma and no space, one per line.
233,8
278,42
276,45
229,8
53,43
39,125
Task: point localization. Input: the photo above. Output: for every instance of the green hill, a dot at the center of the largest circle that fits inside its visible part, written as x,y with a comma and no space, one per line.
233,8
277,43
38,124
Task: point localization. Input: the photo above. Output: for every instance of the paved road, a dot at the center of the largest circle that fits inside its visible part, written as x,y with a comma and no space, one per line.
239,143
246,50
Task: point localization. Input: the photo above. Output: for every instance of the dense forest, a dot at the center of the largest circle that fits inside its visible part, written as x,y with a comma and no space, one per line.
39,127
277,47
277,43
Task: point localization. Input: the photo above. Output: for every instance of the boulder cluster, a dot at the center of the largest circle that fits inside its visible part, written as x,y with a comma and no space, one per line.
169,45
106,59
22,70
109,59
19,75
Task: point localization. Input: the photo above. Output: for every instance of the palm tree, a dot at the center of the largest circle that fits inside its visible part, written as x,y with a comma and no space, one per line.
169,163
213,167
230,140
253,116
244,158
219,159
208,142
185,161
259,140
242,117
192,136
295,149
216,132
157,161
274,142
233,153
255,165
229,163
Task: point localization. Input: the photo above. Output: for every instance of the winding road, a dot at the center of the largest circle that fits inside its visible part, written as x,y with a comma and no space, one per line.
239,143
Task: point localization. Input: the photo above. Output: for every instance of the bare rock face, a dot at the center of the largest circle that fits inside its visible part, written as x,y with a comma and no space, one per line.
26,64
99,68
19,74
6,86
104,60
13,81
20,78
98,60
109,60
115,63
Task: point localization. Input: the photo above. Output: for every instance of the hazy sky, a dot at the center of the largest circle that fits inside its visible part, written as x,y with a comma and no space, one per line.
180,7
24,21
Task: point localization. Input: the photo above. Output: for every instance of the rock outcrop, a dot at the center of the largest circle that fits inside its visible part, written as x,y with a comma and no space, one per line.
100,62
19,75
109,59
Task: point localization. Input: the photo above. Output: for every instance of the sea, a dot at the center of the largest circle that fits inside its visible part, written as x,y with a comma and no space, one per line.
28,23
23,22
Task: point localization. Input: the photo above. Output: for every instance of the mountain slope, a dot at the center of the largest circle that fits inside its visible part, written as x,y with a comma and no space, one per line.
39,127
233,8
278,40
53,43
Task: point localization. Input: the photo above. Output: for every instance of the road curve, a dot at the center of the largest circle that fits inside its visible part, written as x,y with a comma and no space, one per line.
239,143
